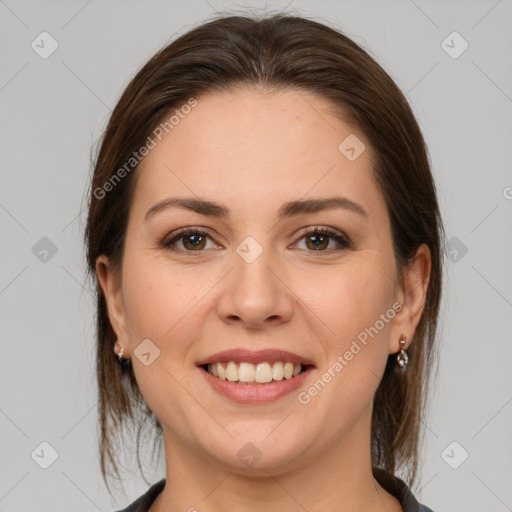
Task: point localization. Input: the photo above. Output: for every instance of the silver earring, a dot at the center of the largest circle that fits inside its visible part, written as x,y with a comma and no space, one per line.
120,355
123,361
402,357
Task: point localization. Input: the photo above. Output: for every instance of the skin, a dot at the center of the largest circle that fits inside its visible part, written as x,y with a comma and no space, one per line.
252,151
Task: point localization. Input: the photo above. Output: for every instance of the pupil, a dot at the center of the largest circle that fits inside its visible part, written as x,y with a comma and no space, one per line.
317,240
194,240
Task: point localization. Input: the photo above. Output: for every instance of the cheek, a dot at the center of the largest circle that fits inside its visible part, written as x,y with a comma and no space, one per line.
159,298
163,305
354,347
355,304
350,299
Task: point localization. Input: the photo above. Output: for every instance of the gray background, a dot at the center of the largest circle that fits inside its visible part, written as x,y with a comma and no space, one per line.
53,109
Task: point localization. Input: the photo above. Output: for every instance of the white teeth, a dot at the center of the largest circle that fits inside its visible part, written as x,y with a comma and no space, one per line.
220,370
232,371
246,372
277,371
261,373
288,370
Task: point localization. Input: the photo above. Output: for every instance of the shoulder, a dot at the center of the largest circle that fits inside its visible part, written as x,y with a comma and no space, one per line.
142,503
400,490
391,483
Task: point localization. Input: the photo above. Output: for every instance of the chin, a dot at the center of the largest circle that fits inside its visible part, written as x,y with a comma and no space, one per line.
259,453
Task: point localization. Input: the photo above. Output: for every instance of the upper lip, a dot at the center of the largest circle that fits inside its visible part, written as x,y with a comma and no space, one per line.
255,356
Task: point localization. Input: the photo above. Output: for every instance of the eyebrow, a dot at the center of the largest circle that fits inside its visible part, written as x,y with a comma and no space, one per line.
290,209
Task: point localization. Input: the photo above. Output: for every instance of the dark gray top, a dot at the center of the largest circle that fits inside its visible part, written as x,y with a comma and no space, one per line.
391,483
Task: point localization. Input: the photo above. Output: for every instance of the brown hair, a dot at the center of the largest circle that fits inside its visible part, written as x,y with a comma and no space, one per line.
273,52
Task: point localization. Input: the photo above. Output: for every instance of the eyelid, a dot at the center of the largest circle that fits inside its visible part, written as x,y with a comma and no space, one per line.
339,236
175,236
343,241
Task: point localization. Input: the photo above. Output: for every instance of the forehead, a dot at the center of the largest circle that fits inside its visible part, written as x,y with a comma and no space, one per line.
256,148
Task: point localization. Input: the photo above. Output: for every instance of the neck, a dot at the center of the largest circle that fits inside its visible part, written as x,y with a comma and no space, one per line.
339,478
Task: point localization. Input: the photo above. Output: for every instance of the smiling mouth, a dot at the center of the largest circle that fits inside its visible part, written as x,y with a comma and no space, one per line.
255,374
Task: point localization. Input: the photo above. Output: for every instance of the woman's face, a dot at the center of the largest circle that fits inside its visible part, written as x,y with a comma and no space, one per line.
249,278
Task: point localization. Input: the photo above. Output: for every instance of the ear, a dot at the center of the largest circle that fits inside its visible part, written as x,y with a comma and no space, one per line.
110,283
411,295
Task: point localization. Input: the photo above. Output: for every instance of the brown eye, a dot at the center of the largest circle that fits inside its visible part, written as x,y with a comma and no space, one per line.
318,242
192,240
319,239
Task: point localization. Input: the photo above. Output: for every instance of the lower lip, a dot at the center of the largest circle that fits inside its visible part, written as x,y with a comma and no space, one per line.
255,393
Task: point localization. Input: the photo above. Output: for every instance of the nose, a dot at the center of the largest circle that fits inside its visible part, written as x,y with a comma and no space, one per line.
255,295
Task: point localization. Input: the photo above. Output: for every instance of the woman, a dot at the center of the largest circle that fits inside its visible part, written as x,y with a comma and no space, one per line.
265,237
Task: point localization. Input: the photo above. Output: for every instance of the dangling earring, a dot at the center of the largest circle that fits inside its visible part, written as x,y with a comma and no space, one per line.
402,357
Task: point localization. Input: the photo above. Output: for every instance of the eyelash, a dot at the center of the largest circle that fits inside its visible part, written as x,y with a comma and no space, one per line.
342,240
